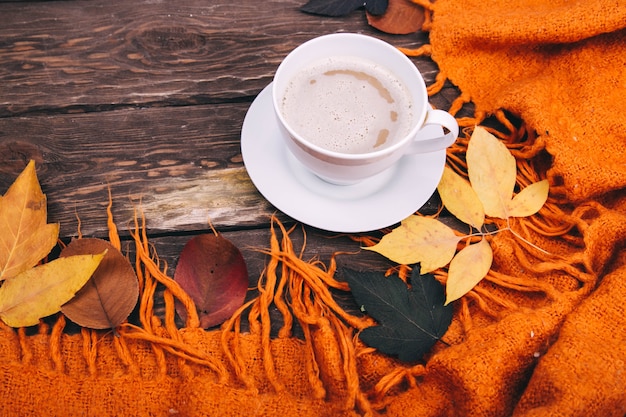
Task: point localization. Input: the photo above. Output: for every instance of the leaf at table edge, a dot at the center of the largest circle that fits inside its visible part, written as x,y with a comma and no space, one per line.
467,269
492,172
402,17
29,246
213,273
458,196
530,200
331,8
110,295
376,7
405,303
20,307
421,240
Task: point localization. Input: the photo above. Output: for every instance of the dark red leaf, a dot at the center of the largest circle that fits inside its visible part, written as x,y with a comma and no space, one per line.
214,274
111,293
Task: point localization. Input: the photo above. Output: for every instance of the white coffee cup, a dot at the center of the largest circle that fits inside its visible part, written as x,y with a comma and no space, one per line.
341,167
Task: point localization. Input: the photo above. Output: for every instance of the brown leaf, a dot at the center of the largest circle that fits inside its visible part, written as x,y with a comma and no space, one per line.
111,294
401,18
214,274
25,238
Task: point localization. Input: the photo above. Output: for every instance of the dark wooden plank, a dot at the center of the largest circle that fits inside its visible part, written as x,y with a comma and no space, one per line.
183,164
99,55
319,245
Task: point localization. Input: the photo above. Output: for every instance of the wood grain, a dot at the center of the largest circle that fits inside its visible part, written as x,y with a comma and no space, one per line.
99,55
317,245
147,99
183,164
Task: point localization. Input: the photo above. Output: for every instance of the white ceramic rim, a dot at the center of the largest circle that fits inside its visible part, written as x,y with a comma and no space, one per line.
417,81
337,208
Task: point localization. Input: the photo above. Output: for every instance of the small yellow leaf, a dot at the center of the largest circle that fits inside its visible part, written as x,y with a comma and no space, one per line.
25,238
492,172
467,269
419,239
41,291
529,200
460,199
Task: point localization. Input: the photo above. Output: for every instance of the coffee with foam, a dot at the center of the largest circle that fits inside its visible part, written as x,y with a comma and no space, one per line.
348,104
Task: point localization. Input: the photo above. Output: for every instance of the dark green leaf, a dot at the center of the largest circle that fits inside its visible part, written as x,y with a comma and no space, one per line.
332,7
411,320
376,7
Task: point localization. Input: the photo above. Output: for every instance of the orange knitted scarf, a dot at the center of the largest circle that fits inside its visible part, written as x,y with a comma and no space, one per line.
544,334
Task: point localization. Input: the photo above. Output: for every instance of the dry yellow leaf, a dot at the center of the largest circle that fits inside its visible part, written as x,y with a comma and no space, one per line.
492,172
528,201
41,291
467,269
460,199
25,238
419,239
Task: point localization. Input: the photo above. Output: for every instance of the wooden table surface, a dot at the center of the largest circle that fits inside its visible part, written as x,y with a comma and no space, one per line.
147,99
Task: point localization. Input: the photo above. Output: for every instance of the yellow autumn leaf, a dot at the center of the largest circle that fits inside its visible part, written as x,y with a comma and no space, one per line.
492,171
528,201
419,239
25,238
460,199
41,291
467,269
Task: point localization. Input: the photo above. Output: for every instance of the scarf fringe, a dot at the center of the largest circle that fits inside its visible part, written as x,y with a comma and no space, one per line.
301,291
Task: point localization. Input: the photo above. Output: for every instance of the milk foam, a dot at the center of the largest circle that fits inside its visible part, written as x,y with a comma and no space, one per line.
348,104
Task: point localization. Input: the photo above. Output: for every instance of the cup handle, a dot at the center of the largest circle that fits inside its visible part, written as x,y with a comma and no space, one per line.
436,118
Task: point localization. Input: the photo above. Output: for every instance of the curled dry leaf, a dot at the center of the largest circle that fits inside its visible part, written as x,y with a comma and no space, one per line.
214,274
419,239
467,269
25,237
460,199
39,292
111,294
401,18
492,172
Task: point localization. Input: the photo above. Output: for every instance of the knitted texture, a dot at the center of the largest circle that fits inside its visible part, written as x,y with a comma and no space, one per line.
544,334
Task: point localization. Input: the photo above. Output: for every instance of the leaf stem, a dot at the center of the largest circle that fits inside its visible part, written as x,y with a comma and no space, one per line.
508,227
517,235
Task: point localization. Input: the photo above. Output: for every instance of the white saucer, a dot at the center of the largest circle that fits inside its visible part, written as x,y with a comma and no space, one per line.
372,204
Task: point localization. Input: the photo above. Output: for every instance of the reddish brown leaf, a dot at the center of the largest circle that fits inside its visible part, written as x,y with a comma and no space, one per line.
401,18
111,293
214,274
